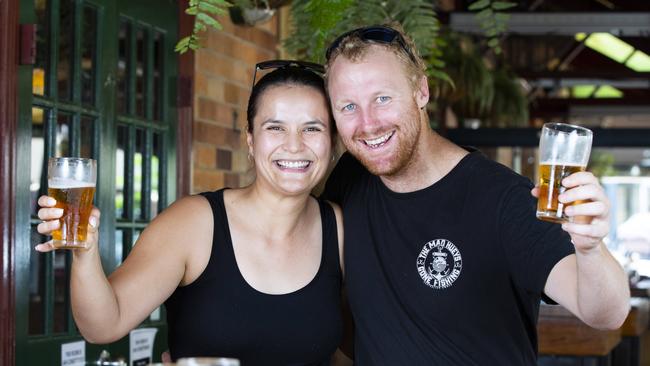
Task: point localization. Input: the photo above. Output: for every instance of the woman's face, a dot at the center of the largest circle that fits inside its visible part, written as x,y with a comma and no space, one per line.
291,141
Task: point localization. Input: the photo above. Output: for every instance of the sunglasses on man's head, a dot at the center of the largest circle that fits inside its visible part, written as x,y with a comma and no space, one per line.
279,64
375,33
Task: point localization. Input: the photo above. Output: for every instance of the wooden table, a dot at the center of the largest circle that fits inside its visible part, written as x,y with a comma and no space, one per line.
563,335
634,349
641,289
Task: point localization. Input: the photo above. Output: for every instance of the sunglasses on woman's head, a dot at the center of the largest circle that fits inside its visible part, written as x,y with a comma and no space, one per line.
375,33
279,64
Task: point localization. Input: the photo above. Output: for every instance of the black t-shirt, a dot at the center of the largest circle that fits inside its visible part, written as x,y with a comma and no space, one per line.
448,275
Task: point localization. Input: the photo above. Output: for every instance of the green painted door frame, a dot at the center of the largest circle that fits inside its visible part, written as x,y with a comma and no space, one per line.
150,152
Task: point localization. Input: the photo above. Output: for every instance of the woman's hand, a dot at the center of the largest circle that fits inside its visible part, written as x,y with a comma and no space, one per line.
51,215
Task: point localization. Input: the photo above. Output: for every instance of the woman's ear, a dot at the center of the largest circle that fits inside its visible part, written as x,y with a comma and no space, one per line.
249,142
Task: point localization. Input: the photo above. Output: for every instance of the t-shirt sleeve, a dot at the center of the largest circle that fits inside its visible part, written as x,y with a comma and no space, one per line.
340,179
532,246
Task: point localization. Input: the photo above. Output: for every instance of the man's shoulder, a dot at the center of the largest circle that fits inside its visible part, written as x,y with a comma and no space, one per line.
494,172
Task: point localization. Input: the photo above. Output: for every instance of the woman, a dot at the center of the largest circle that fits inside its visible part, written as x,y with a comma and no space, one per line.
251,273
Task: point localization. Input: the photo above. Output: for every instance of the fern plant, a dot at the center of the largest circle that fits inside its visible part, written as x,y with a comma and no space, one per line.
492,20
204,12
317,22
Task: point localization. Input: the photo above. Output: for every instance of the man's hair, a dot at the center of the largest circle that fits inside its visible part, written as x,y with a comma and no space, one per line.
354,48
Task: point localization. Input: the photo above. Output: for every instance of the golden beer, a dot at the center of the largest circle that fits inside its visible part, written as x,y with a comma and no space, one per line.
550,187
76,202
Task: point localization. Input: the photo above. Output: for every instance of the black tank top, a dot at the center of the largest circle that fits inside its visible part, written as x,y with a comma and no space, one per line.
221,315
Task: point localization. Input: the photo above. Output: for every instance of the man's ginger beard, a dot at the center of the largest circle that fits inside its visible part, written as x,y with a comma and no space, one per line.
407,134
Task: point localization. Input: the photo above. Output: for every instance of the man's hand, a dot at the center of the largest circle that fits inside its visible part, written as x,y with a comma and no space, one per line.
589,215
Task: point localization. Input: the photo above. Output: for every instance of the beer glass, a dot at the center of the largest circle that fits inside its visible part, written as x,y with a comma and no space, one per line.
71,182
563,150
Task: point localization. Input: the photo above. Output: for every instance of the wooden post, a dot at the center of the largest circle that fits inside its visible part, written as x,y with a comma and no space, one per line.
8,126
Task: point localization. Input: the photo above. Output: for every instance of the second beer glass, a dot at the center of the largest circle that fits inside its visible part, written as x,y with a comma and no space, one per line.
563,150
71,182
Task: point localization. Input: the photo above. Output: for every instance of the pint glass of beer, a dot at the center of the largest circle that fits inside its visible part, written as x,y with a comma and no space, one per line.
563,150
71,182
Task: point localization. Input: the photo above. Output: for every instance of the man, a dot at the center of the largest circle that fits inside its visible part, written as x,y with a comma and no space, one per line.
445,260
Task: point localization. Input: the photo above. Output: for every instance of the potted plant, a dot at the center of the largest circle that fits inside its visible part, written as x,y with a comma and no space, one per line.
252,12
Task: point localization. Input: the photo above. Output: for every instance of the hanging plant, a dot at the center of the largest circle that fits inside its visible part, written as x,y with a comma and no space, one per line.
492,20
204,12
509,106
315,23
472,91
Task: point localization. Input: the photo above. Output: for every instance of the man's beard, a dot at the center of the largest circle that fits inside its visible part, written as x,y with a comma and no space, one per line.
407,134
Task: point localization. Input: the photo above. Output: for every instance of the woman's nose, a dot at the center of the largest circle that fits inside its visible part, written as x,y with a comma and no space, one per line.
294,142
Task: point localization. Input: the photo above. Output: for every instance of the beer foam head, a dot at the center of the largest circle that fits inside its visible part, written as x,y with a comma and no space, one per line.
564,163
60,183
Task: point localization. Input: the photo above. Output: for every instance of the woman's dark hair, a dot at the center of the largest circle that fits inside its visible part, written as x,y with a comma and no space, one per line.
287,75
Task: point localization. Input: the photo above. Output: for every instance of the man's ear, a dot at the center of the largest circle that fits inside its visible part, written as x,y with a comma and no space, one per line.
422,93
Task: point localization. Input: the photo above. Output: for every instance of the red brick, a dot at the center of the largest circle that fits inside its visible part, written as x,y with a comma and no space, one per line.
216,135
212,63
258,37
207,109
204,156
231,93
206,180
224,159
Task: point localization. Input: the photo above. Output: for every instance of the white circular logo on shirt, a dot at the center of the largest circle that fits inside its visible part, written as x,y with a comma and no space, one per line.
439,263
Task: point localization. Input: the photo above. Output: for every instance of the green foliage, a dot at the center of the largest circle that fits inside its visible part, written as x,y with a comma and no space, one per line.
509,105
204,12
602,164
472,91
492,20
318,22
493,96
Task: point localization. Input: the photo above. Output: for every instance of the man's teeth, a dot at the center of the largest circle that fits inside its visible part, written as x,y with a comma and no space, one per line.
379,140
292,164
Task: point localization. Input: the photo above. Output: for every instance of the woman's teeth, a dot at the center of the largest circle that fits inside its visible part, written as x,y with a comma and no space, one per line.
293,164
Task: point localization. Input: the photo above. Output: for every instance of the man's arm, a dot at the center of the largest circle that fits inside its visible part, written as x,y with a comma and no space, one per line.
590,283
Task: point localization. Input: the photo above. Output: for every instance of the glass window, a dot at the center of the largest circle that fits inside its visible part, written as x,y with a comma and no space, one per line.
87,138
141,72
62,142
123,68
88,51
139,174
121,169
41,67
61,277
65,58
37,286
158,60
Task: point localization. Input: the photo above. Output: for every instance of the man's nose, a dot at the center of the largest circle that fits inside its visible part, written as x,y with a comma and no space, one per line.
368,119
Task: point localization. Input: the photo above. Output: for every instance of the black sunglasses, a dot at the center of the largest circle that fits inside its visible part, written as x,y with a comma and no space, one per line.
375,33
279,64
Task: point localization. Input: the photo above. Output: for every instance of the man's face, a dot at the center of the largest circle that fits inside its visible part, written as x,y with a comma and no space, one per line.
376,110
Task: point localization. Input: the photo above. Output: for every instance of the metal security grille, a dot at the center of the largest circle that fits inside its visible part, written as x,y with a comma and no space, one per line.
65,117
142,123
102,87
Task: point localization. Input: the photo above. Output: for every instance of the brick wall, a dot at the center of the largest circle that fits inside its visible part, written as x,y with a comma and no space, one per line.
223,76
